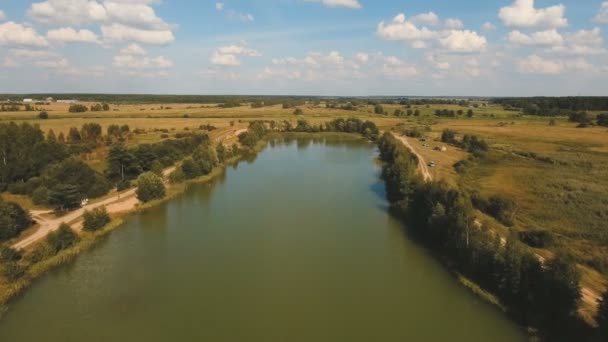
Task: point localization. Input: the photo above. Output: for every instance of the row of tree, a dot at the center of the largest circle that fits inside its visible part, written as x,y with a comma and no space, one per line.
80,108
554,106
543,294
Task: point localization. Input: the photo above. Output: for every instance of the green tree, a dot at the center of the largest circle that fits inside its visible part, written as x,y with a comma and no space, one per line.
65,197
43,115
470,113
298,111
8,254
61,239
95,219
78,108
378,109
150,187
105,107
122,164
13,220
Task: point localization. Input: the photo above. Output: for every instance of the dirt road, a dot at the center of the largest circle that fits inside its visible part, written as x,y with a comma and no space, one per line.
122,202
422,165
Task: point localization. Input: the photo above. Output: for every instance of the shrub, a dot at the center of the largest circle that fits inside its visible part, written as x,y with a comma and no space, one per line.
448,136
8,254
78,108
123,185
43,115
298,111
40,196
177,176
13,220
62,238
95,219
13,271
150,187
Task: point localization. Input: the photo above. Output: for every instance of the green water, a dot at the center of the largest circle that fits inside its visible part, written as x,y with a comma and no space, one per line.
296,245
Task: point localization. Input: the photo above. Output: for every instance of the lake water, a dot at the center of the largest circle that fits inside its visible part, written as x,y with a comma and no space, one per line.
296,245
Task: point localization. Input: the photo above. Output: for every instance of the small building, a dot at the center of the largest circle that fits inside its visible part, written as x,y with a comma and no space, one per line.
49,99
28,100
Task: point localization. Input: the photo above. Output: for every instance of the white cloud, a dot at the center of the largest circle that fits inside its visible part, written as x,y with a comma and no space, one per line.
362,57
219,6
354,4
454,40
523,14
2,15
454,24
602,15
38,58
488,26
429,18
73,12
395,68
137,14
12,33
228,55
541,38
463,41
70,35
535,64
436,63
233,14
135,57
120,32
582,42
401,29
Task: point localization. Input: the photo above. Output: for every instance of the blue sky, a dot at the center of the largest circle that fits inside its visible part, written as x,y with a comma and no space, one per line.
305,47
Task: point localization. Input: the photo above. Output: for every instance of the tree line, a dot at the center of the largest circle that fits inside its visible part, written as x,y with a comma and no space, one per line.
554,106
544,294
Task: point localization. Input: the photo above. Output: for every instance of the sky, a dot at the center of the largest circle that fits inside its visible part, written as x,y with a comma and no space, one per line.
305,47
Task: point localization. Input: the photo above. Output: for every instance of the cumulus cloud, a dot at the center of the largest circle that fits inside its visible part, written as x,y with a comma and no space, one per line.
582,42
135,57
535,64
2,15
70,35
136,18
463,41
39,58
228,55
429,18
120,32
454,40
541,38
522,14
12,33
602,15
454,24
362,57
354,4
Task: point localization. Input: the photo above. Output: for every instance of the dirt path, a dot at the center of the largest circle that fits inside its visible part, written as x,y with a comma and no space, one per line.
122,202
588,296
422,165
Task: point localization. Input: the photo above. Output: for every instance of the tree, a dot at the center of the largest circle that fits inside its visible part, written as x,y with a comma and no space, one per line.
561,293
91,132
470,113
378,109
105,107
602,120
448,136
78,108
8,254
95,219
43,115
602,314
222,152
150,187
74,136
122,164
65,197
61,239
13,220
190,169
298,111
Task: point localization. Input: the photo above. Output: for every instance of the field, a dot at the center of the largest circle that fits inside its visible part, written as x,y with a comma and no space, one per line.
557,174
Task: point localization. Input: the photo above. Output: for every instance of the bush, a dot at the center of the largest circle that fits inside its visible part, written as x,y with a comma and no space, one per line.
62,238
13,271
298,111
40,196
78,108
150,187
43,115
448,136
95,219
8,254
123,185
13,220
177,176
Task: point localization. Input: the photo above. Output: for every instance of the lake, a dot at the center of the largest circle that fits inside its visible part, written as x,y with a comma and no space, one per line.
295,245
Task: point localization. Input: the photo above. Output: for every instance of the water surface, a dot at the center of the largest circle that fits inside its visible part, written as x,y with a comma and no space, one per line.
296,245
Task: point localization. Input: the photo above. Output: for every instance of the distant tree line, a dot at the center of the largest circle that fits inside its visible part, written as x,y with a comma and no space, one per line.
542,294
554,106
352,125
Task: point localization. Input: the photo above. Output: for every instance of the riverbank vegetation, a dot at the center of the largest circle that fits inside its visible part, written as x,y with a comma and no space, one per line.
538,292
